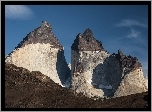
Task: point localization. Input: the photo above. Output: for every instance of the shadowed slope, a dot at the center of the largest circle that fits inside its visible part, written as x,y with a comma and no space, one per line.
24,89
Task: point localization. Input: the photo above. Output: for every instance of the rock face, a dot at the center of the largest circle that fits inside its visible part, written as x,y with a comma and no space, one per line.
132,80
128,62
80,85
86,42
87,53
146,80
94,72
107,75
116,70
41,51
132,83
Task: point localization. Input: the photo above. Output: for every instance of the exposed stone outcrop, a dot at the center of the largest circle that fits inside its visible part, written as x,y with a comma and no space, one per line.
128,62
132,80
132,83
43,35
86,54
86,42
41,51
107,74
122,73
94,70
146,81
80,85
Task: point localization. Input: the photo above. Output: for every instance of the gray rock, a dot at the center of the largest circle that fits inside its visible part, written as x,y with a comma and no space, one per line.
41,51
115,75
87,53
86,42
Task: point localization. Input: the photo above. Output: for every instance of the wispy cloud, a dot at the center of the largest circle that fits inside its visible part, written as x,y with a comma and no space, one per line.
129,23
18,12
133,34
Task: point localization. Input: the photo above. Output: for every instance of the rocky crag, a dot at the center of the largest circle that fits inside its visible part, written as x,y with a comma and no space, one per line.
132,80
41,51
86,54
94,72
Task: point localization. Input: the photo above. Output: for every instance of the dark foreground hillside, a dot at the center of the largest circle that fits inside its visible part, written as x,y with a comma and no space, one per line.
24,89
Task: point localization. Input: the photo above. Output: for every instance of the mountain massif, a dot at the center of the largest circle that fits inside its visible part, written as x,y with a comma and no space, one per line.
93,71
97,73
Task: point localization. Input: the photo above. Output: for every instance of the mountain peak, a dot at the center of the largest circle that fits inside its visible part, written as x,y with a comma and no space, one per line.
129,62
87,33
86,42
42,34
120,52
45,24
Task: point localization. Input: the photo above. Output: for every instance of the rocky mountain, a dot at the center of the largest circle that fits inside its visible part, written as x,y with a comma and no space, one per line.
133,80
86,42
94,72
86,54
41,51
25,89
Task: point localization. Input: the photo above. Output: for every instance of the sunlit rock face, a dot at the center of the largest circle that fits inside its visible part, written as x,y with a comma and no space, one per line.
94,72
41,51
119,75
86,54
132,80
132,83
146,81
80,85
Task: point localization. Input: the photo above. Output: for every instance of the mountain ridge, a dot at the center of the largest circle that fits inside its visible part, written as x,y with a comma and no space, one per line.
93,69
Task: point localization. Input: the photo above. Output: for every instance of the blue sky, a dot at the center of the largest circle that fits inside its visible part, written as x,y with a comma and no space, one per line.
116,26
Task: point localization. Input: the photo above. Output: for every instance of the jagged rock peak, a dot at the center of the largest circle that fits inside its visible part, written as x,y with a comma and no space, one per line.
120,52
42,34
86,42
88,33
128,62
45,24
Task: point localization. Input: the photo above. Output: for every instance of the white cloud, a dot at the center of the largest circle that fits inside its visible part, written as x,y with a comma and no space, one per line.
129,23
18,12
133,34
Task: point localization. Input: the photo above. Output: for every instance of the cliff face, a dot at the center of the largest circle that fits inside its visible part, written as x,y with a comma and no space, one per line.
132,83
86,42
93,69
94,72
41,51
107,75
132,80
87,53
